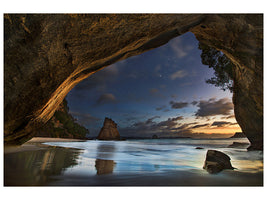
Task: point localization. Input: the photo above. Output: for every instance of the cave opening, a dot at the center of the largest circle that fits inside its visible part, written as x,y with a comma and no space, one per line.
160,92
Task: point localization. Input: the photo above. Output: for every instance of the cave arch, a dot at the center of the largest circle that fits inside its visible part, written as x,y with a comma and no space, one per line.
46,55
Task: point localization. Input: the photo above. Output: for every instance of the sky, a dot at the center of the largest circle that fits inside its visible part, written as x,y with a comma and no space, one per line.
162,91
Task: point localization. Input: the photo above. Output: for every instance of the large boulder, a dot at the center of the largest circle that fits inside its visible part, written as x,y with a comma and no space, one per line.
109,131
217,161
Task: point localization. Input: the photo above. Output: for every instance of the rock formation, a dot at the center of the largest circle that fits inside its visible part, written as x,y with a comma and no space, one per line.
62,125
46,55
238,145
155,137
239,135
216,161
109,131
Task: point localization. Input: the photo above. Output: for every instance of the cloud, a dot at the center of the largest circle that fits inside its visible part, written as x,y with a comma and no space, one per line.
194,103
168,128
222,123
106,98
185,126
169,123
228,117
214,107
99,79
160,108
178,74
178,105
179,48
84,119
200,126
154,91
157,71
174,96
149,126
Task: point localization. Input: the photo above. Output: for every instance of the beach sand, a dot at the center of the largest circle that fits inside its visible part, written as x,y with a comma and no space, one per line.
36,143
38,164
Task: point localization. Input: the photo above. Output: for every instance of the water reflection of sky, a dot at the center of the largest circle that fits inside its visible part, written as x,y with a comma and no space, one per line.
139,156
133,159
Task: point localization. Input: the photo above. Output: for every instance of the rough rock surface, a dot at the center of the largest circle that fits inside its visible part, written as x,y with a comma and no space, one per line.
62,125
238,145
155,137
216,161
109,131
45,56
239,135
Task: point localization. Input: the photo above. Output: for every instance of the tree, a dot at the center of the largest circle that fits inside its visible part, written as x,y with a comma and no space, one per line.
223,67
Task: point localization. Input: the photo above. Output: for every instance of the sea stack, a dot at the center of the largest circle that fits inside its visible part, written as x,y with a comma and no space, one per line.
109,131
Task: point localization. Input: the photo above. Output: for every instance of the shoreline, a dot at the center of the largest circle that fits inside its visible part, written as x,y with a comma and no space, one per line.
36,143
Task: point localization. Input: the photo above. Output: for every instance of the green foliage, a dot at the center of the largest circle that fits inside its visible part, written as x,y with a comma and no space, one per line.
68,127
223,67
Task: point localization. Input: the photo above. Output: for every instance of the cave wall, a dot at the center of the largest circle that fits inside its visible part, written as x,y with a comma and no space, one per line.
46,55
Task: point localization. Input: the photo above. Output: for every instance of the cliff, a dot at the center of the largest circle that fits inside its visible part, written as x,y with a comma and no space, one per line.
239,135
62,125
46,55
109,131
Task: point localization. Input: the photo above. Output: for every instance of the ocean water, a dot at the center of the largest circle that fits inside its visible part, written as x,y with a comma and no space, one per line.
160,162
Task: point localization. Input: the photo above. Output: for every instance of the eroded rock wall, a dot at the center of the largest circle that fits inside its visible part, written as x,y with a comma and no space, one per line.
45,56
240,37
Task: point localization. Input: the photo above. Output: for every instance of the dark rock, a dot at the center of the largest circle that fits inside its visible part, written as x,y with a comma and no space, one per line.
46,55
216,161
238,145
109,131
199,148
239,135
155,137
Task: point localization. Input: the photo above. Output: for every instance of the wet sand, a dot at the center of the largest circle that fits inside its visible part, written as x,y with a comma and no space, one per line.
37,164
35,144
167,178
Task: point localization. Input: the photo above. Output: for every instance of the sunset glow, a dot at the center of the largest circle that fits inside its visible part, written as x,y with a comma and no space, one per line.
162,91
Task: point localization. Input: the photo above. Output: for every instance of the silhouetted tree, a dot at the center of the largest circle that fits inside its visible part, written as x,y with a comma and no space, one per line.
223,67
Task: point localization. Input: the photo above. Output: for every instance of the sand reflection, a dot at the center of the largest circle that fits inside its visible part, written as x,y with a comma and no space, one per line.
37,167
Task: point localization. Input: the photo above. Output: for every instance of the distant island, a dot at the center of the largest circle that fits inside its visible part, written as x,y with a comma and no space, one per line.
144,138
239,135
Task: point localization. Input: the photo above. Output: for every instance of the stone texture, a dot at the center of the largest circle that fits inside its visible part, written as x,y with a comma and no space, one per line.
155,137
216,161
239,145
45,56
62,125
109,131
239,135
